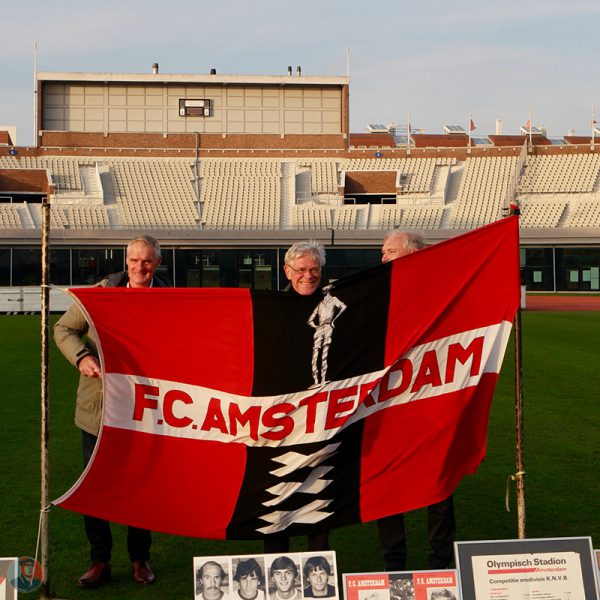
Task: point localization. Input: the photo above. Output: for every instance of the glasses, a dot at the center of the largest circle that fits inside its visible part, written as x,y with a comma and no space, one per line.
313,270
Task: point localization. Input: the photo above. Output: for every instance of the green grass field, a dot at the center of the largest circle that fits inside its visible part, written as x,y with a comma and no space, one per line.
562,463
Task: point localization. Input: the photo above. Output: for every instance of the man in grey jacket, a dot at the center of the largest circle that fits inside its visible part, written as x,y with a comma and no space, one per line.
72,336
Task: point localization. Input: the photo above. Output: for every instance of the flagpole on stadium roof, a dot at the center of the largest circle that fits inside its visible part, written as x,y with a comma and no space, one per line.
469,123
45,430
35,107
347,62
593,127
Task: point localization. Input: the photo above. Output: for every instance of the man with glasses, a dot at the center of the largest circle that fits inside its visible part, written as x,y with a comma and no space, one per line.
303,263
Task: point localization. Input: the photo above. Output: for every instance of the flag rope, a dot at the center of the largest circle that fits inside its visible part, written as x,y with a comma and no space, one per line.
44,510
508,480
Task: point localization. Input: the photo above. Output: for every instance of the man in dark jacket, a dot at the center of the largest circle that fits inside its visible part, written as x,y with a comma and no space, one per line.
441,524
303,263
72,336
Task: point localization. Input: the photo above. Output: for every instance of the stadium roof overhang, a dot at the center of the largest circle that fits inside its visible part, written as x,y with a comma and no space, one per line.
188,238
176,78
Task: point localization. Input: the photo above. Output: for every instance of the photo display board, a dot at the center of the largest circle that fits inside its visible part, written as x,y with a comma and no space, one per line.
286,576
9,578
531,569
401,585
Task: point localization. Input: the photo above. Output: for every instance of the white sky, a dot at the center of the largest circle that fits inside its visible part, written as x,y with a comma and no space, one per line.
436,59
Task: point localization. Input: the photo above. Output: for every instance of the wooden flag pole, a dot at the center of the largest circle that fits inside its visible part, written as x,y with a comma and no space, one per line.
45,430
520,464
519,437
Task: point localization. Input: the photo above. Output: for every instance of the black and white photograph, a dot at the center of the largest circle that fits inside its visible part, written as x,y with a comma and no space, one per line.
248,580
318,576
442,594
211,578
284,577
401,588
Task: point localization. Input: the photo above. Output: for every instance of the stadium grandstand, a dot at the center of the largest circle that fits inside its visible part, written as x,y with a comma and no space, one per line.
228,170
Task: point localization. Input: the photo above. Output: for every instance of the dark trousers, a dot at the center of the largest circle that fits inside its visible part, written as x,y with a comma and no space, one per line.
441,531
279,545
98,530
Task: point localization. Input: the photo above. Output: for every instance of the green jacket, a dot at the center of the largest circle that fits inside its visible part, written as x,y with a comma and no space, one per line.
72,336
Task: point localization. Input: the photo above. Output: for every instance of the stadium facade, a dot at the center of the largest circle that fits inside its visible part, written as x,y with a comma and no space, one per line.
228,170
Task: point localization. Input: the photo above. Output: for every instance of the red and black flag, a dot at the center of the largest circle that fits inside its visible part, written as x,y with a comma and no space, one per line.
238,414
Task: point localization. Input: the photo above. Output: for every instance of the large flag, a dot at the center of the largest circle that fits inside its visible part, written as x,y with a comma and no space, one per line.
238,414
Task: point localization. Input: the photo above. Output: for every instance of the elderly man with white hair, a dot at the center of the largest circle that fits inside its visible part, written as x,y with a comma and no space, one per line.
441,523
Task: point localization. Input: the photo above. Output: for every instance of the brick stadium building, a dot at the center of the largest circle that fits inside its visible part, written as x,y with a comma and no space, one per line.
227,170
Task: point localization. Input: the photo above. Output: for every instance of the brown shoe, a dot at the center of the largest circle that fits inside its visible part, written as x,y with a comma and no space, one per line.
142,573
97,575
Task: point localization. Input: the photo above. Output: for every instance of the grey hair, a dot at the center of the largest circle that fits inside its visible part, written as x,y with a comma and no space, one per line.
411,241
145,239
299,249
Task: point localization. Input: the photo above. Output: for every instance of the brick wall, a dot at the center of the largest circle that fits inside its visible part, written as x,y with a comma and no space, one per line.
370,182
24,180
187,141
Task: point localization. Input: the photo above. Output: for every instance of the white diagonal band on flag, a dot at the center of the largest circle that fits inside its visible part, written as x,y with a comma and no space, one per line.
296,460
313,485
281,519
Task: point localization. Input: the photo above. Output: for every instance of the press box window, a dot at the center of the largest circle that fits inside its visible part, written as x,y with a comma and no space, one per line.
195,108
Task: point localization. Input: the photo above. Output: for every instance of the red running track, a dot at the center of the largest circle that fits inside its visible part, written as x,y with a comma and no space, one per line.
554,302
